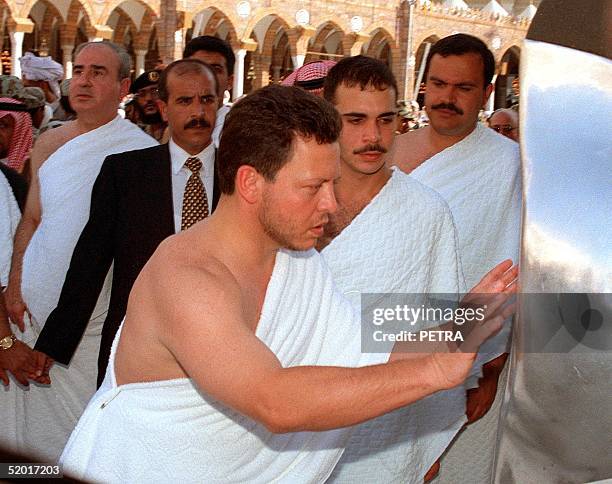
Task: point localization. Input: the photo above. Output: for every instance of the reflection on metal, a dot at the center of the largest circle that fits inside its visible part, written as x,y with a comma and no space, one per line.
556,424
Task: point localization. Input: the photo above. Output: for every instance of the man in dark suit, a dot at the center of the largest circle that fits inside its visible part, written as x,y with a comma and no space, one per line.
140,198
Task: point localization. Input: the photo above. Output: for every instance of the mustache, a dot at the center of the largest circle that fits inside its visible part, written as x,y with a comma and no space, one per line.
449,106
150,104
370,148
197,123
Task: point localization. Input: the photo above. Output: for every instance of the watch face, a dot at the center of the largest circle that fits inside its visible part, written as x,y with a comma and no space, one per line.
6,342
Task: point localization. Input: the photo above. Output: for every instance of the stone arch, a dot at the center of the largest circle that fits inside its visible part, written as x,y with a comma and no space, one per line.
76,16
420,52
282,63
427,35
506,83
217,23
269,39
75,9
84,30
509,49
262,58
261,14
6,17
152,5
317,47
382,46
419,64
76,6
152,57
131,22
143,38
10,8
44,38
124,24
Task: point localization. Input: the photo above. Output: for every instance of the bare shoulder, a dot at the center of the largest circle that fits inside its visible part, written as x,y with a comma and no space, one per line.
409,137
189,282
50,141
409,149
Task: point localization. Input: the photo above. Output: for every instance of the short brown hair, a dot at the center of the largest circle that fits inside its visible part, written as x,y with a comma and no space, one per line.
361,71
260,129
182,67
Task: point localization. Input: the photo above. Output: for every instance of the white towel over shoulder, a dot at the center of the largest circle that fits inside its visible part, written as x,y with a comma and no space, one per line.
479,178
404,241
47,415
170,431
66,180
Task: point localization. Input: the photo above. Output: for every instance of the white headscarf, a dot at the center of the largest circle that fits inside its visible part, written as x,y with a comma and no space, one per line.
42,69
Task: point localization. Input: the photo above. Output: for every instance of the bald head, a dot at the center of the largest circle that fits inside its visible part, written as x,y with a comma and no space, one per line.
506,122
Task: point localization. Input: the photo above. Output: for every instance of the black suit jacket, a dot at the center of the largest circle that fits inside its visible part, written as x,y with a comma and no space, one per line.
131,214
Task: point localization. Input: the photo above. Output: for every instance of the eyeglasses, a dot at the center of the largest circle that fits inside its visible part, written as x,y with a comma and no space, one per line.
152,91
503,128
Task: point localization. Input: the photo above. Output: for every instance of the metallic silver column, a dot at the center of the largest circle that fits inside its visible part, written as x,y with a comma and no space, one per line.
556,423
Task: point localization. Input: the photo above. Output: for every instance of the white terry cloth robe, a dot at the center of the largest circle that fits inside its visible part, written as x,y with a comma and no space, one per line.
479,178
403,241
171,431
47,415
9,218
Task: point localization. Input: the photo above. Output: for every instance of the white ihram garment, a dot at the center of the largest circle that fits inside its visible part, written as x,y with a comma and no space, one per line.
480,179
404,241
170,431
9,218
47,415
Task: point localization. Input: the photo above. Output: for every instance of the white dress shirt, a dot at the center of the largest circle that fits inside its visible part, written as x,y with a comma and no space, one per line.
180,175
219,122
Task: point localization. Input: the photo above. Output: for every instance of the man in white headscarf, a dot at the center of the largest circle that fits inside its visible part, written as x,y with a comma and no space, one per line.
45,73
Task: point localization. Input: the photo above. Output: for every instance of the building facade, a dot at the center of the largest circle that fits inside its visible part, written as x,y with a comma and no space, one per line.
270,37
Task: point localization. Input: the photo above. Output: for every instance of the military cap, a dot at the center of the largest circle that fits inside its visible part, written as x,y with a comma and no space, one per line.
31,97
145,79
35,97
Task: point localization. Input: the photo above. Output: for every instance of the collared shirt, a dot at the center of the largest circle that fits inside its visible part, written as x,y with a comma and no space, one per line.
180,175
220,120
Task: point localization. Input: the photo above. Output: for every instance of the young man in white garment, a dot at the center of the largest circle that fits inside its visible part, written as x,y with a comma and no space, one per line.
390,234
477,171
236,354
65,163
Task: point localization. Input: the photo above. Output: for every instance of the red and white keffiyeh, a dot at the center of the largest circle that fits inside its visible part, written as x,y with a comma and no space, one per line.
21,142
310,77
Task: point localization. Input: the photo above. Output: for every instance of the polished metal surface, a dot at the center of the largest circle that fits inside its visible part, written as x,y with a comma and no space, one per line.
556,424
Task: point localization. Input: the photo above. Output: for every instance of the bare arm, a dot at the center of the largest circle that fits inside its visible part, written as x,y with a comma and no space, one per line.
25,230
211,340
45,145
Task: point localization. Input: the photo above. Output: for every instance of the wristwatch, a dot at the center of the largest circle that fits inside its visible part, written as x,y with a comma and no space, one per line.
7,342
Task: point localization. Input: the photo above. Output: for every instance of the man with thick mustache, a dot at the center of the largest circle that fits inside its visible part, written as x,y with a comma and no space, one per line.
390,234
477,171
139,198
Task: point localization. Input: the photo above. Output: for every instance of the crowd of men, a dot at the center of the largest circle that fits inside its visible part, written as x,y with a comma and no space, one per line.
185,279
